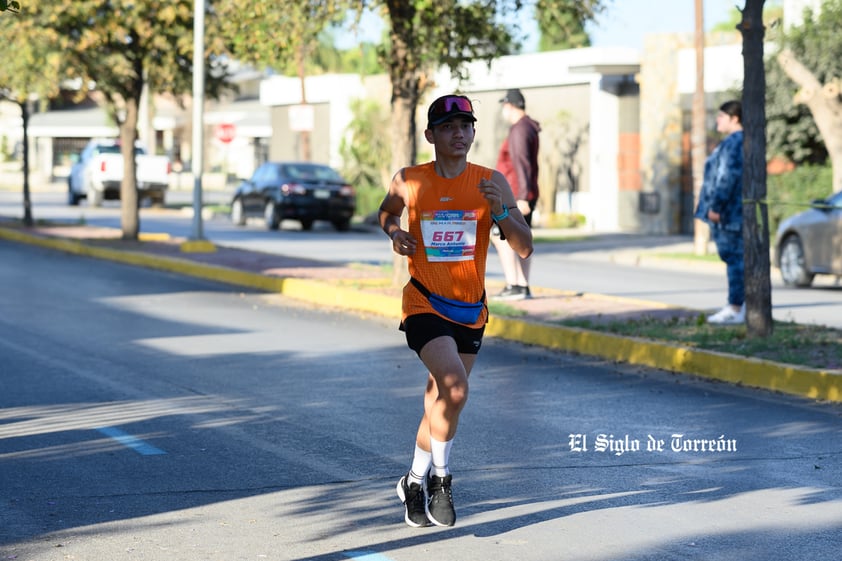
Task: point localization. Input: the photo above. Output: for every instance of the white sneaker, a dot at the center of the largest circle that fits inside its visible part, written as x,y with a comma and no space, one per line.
728,316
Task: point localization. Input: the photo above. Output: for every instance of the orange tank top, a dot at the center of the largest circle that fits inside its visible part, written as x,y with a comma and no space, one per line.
452,222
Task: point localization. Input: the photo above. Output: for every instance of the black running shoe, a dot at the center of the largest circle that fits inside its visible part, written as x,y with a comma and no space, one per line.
514,293
413,498
440,502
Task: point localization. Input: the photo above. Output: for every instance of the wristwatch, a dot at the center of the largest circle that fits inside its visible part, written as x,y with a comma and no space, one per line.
502,216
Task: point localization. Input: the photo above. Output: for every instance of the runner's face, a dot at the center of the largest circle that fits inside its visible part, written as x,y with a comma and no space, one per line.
453,137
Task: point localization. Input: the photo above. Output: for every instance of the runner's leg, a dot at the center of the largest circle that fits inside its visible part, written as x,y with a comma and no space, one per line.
449,371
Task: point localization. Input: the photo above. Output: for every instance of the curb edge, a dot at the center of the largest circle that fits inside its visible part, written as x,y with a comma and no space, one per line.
790,379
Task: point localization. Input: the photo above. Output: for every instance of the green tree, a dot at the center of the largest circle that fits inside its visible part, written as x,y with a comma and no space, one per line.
312,26
560,27
361,60
272,34
30,72
805,103
120,46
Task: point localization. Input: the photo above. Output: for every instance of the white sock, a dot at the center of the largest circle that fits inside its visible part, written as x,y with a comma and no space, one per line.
440,452
420,465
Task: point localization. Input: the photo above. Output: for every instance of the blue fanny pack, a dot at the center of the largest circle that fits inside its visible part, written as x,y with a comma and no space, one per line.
454,310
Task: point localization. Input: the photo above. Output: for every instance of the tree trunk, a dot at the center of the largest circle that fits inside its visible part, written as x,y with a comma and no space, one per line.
823,103
404,130
404,152
27,200
755,210
698,133
130,216
406,82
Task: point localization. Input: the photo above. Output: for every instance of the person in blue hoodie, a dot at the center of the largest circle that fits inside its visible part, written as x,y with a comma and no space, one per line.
721,207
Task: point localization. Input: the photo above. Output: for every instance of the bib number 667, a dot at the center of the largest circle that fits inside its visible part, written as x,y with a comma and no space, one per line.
447,236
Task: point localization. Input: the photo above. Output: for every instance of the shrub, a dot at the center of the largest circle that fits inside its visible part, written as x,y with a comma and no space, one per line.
367,154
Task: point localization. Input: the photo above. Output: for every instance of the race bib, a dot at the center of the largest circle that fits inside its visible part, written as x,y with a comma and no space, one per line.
449,235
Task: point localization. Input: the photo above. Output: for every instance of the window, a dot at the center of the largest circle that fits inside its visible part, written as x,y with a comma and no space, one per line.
310,172
115,149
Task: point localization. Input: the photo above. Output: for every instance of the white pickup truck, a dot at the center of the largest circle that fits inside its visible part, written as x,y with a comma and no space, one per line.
97,174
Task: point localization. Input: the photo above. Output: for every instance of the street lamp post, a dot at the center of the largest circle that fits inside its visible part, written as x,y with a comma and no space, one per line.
197,243
198,113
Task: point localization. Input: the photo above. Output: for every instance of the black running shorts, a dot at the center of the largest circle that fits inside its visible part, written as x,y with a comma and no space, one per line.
420,329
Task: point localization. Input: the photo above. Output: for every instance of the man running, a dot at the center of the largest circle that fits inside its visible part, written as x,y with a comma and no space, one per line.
452,205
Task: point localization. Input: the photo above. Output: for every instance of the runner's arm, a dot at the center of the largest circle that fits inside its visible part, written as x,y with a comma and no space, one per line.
390,213
515,229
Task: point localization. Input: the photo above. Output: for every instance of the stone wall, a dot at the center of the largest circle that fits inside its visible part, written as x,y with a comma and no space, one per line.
664,125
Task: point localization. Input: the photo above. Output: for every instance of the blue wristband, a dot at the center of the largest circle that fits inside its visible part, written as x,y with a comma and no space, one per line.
501,216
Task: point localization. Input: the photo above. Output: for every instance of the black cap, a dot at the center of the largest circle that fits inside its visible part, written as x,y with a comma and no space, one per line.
515,98
449,106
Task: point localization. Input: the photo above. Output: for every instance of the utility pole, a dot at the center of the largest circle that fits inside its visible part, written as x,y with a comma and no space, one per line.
698,132
27,200
304,134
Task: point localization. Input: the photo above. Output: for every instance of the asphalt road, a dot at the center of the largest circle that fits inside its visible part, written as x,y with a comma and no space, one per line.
603,264
148,416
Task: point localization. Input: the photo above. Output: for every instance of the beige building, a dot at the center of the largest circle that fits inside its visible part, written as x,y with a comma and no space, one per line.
582,98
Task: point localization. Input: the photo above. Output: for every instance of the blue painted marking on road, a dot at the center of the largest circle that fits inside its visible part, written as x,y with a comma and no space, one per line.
365,556
129,441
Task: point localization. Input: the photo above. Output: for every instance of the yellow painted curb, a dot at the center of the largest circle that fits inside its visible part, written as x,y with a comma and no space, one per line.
197,246
212,272
795,380
153,236
326,294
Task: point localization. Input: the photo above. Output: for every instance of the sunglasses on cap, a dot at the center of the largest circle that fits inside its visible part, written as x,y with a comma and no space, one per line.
449,106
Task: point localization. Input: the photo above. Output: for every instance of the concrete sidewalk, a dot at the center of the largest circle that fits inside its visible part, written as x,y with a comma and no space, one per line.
363,289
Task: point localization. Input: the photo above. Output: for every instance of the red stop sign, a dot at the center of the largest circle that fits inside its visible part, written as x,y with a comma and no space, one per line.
225,132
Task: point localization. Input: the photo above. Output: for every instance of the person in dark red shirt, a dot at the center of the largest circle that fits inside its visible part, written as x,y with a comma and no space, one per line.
518,162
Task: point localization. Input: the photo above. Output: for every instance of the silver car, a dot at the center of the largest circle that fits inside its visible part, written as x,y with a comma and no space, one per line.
810,242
